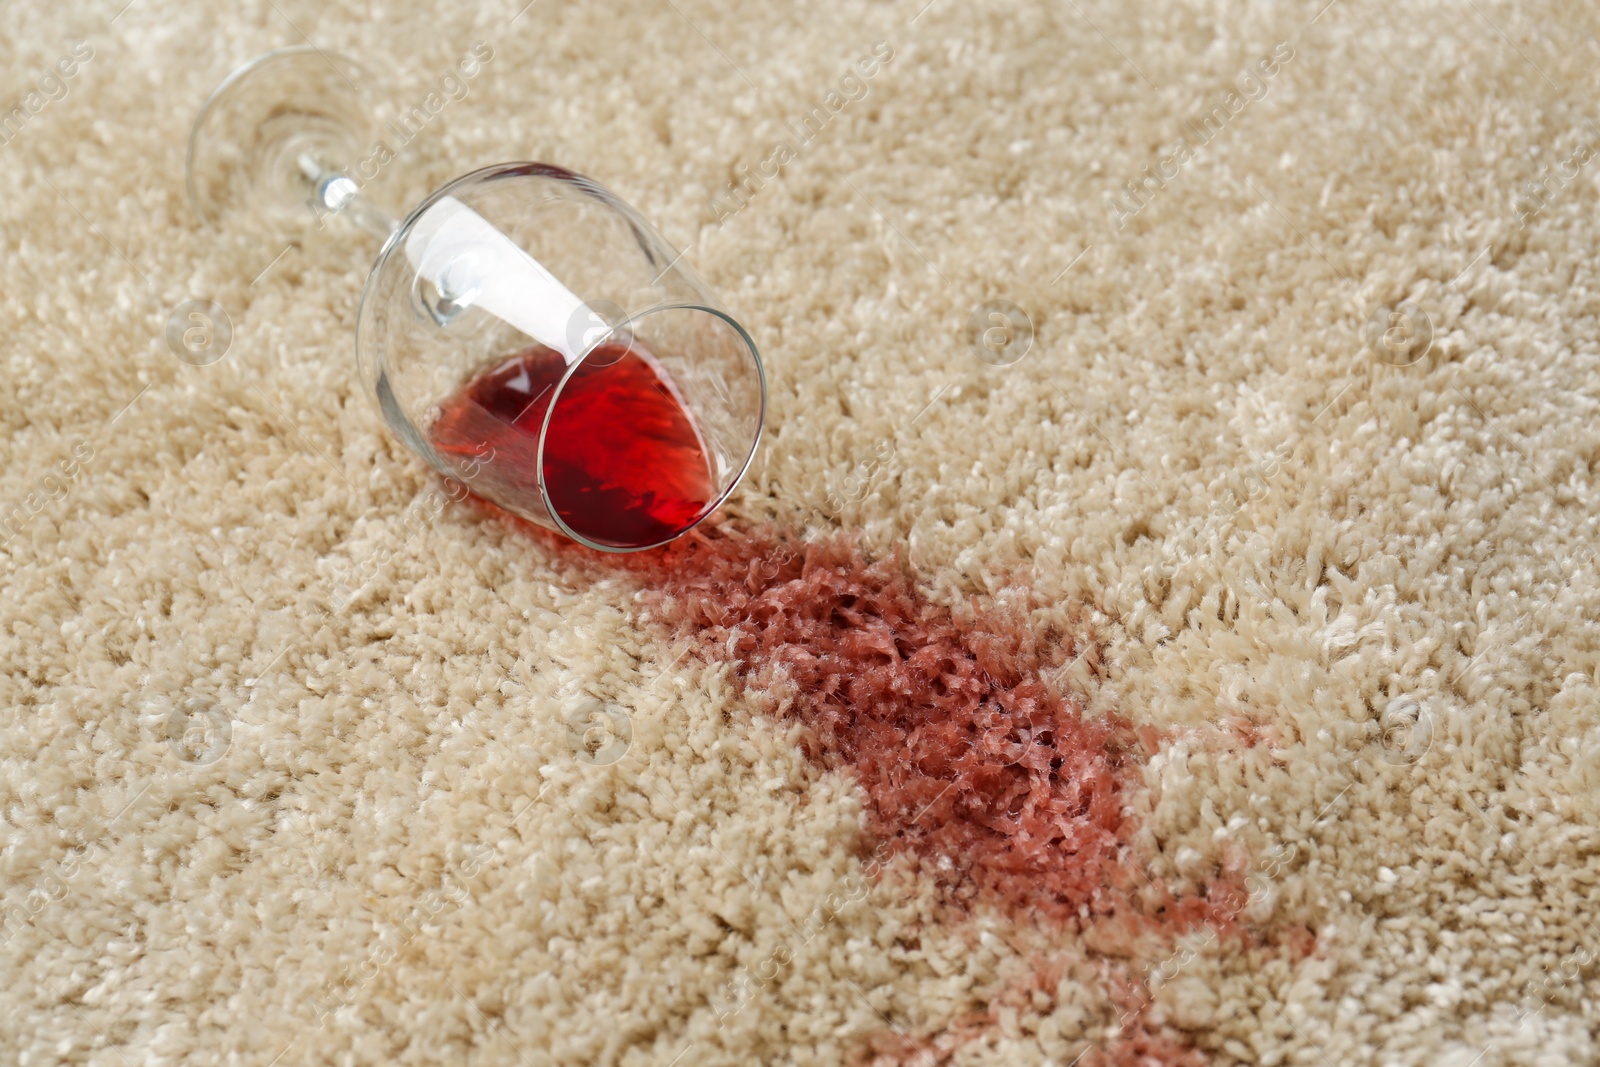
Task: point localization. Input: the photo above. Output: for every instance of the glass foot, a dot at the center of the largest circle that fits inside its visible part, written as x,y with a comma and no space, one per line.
267,132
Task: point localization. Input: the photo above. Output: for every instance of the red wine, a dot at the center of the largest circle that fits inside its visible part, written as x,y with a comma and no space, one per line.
624,462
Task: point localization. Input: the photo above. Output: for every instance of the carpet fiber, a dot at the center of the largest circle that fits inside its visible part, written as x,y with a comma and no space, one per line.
1159,626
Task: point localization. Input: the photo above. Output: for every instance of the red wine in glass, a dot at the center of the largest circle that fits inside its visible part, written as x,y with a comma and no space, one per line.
625,465
618,460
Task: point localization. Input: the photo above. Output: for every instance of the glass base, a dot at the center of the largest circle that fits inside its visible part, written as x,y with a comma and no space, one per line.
269,128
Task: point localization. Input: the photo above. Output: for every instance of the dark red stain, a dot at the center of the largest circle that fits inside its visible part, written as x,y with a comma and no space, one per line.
976,766
967,758
972,762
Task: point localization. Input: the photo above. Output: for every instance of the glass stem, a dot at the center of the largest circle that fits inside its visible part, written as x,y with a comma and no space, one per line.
336,193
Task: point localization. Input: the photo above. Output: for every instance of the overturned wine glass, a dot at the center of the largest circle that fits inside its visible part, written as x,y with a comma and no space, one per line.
523,330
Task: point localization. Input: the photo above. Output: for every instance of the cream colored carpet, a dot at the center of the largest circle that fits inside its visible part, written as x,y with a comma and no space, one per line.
1352,601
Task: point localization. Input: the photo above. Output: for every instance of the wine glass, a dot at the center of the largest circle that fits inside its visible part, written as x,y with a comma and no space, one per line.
523,330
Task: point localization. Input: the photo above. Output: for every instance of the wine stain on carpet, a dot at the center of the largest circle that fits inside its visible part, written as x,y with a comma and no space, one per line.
973,760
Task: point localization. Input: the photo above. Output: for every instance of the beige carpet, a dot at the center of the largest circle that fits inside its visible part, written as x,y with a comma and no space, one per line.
1305,440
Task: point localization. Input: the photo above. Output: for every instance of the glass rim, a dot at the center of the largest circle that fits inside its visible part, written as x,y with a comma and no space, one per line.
733,483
